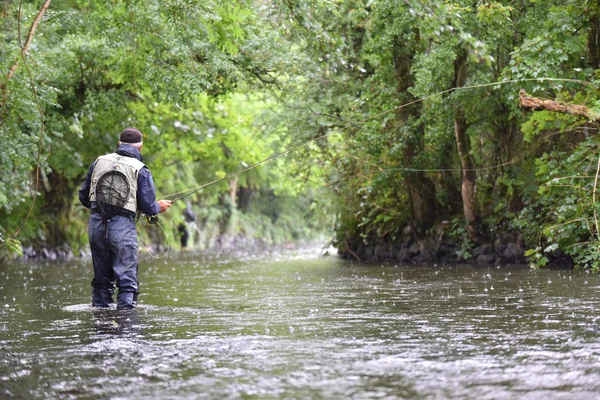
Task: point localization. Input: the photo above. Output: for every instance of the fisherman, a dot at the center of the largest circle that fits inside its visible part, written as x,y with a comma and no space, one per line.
184,235
117,186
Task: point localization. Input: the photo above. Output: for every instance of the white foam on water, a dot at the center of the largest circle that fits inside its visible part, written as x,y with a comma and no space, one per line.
78,307
88,307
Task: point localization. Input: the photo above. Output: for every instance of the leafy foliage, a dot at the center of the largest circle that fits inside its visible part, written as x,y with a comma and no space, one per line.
169,68
217,86
359,46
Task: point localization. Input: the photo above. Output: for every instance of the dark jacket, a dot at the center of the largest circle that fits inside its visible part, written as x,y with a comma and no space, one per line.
146,192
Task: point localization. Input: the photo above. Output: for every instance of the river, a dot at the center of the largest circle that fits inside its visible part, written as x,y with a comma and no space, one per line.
295,325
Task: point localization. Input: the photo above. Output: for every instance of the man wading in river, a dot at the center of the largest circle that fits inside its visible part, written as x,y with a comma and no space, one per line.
116,187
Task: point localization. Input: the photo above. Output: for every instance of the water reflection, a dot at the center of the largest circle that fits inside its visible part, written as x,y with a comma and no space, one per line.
113,322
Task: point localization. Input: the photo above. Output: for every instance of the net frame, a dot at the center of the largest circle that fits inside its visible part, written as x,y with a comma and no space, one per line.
112,192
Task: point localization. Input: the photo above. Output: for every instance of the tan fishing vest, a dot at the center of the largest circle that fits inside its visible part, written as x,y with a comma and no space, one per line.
128,166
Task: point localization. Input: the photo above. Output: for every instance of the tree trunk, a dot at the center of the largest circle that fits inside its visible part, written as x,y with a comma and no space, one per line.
233,189
593,42
468,175
245,195
451,198
58,196
421,189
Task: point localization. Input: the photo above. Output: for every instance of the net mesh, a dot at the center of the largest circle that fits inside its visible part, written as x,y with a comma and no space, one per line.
112,192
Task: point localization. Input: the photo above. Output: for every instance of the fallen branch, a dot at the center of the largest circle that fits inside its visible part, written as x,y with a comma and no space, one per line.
351,252
533,103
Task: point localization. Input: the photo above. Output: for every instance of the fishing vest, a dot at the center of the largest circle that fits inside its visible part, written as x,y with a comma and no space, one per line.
128,166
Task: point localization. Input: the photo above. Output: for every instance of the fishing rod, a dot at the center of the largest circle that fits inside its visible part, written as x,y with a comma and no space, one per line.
153,219
241,171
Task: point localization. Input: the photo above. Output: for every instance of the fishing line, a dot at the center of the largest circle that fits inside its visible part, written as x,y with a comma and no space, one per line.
514,161
195,189
168,243
241,171
456,169
475,87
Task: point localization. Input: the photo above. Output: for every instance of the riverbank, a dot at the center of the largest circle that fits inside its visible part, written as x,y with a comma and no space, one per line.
418,252
408,250
236,247
432,250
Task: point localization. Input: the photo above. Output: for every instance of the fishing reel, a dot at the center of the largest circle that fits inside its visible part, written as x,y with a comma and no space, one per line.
151,219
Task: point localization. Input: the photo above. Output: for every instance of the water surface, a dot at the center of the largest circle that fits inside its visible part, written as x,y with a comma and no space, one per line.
295,325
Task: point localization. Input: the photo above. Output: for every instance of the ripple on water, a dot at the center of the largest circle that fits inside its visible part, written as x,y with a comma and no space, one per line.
304,327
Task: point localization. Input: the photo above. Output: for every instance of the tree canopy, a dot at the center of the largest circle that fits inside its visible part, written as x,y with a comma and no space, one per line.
416,103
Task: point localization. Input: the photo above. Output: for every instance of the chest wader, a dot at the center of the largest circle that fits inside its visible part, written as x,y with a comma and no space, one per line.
112,230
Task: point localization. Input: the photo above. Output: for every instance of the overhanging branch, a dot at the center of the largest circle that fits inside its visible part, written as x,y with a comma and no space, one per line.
533,103
32,29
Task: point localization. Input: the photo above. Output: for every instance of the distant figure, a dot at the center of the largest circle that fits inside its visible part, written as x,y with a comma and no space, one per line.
184,235
116,187
187,228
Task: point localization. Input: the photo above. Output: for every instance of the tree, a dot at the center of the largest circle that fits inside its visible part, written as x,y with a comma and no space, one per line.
99,67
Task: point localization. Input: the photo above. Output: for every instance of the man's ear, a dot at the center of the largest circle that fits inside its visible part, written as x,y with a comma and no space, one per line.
118,143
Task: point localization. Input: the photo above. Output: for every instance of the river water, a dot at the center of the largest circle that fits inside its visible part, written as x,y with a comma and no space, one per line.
295,325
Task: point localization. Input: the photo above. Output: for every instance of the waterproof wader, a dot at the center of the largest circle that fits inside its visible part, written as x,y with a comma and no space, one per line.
115,257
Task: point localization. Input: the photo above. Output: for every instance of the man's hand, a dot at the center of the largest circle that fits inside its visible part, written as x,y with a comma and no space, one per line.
164,205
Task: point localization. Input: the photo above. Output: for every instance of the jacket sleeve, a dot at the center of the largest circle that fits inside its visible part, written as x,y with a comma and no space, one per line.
146,193
84,191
